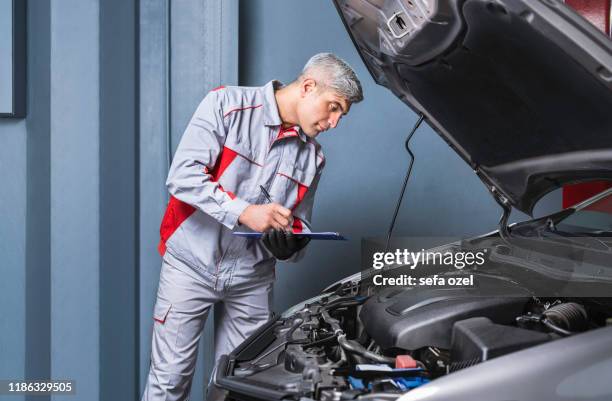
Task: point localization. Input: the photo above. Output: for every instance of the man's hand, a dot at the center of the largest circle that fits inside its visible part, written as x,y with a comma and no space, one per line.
283,244
265,217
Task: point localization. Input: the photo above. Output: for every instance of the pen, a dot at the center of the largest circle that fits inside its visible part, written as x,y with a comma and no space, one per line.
266,194
269,198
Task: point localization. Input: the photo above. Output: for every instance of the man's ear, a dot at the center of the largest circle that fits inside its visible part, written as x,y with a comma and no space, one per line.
308,85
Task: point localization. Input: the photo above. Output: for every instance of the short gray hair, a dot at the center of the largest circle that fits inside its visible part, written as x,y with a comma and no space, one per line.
336,74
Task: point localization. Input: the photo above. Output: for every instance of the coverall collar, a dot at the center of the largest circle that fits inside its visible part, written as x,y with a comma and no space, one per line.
271,114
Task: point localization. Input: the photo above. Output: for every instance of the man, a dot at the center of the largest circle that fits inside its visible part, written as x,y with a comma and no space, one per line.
247,160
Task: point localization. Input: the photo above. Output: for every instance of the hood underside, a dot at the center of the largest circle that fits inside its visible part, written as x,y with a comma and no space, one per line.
521,90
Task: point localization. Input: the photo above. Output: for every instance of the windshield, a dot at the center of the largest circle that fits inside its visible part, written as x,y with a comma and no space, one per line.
595,217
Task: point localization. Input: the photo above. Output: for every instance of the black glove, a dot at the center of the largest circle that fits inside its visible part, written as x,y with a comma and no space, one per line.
283,244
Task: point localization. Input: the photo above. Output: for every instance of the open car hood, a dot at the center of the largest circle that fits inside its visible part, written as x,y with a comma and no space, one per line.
521,90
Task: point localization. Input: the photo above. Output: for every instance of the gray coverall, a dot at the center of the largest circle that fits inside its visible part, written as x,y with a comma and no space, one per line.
233,144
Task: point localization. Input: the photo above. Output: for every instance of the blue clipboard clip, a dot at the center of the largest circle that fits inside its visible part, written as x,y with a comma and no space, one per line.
326,236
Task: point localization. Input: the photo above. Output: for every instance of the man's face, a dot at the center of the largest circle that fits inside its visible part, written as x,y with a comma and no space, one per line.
319,108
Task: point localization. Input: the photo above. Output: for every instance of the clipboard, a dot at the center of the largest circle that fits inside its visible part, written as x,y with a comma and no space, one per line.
326,235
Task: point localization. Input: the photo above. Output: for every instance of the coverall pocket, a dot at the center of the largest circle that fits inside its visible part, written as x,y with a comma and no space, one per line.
297,174
242,149
292,184
161,310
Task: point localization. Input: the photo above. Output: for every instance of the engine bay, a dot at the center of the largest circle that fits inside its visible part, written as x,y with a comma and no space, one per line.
343,346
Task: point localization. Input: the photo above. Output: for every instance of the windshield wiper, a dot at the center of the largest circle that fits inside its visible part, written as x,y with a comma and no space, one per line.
598,233
580,238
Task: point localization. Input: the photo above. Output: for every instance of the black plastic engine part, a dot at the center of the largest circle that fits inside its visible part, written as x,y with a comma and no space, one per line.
411,319
436,360
479,339
569,316
297,360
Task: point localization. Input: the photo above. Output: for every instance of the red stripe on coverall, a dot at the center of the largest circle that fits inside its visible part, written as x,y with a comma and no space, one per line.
178,211
241,109
226,158
301,193
297,223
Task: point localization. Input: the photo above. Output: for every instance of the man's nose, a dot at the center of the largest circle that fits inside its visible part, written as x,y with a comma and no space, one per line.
333,121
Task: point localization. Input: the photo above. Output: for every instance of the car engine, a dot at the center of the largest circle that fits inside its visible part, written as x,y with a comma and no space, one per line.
342,345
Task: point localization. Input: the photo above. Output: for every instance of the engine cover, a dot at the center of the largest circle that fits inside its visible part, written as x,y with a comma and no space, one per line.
412,318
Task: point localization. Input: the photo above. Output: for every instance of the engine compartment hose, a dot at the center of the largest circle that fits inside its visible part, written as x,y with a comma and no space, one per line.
566,318
333,323
297,322
379,397
556,328
353,347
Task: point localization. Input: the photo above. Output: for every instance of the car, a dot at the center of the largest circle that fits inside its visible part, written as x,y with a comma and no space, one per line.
522,91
